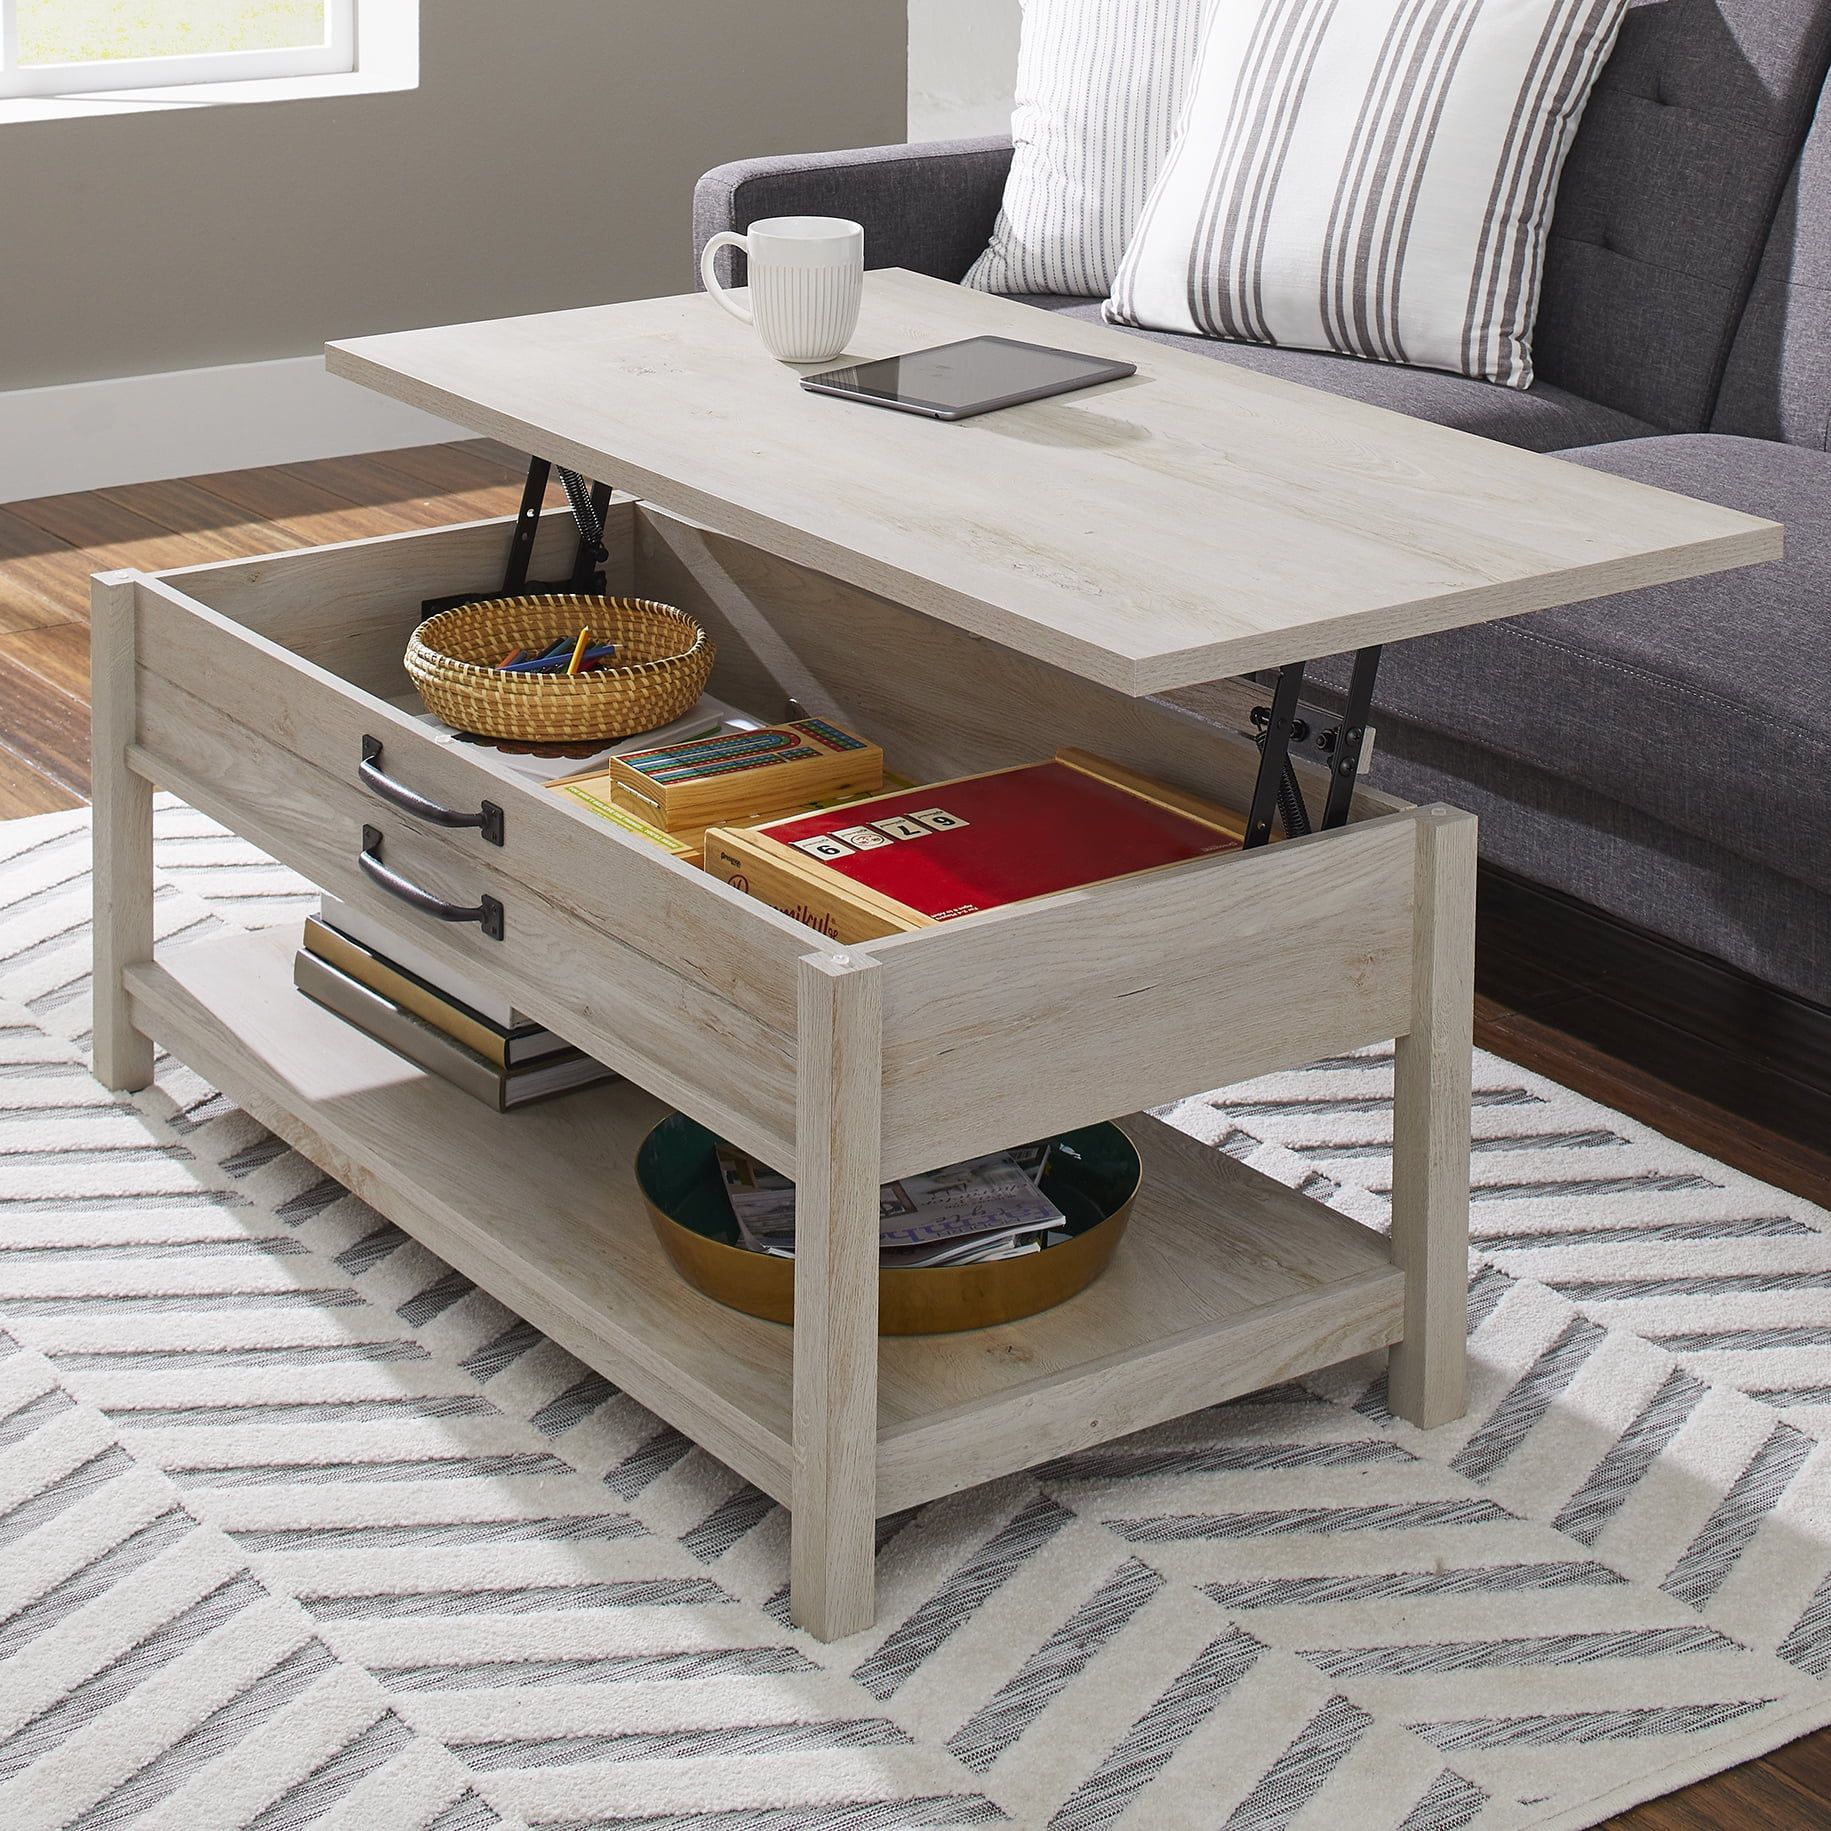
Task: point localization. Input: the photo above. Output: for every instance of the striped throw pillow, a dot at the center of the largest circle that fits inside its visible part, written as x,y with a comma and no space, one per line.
1373,177
1100,88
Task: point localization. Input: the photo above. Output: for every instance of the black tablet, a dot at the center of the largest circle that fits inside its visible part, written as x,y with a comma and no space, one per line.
955,381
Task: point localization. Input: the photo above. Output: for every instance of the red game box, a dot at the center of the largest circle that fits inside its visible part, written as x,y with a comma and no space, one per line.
926,855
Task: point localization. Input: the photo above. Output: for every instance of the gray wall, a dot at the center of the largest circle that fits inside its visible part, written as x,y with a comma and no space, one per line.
962,56
547,159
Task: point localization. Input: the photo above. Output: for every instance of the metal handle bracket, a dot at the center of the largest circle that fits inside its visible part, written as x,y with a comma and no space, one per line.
487,820
486,912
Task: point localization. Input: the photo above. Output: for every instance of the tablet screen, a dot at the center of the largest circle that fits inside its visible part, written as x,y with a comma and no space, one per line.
960,379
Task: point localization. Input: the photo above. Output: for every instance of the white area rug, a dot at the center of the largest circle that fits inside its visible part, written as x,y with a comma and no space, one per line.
299,1528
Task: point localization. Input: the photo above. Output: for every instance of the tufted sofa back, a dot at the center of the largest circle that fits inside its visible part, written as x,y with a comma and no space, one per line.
1778,383
1668,198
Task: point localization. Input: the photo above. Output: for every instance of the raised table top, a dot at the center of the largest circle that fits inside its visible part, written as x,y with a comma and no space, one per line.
1193,522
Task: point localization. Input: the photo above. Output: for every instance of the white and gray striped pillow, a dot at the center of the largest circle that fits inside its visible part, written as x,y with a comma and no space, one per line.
1373,177
1100,87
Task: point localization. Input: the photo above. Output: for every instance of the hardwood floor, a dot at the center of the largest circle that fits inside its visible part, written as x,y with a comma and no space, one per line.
49,547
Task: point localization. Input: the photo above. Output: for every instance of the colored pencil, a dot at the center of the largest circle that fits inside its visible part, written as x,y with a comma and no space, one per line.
578,652
553,664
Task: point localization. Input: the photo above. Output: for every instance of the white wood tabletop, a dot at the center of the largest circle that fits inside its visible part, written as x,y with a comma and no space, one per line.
1193,522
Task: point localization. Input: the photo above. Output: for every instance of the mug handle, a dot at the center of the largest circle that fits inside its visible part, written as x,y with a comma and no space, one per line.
724,239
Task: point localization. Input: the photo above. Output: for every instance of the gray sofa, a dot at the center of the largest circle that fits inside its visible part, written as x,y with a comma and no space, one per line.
1663,756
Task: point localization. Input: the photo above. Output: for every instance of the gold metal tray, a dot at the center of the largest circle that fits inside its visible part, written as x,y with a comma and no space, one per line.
1092,1176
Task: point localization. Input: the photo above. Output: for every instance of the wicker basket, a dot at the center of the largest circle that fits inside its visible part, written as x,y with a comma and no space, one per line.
663,659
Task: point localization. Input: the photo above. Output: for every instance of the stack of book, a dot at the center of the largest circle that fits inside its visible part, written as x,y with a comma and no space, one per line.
963,1214
448,1024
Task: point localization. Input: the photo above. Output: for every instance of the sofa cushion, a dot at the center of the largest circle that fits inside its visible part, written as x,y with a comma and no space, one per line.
1667,196
1099,92
1700,703
1540,418
1377,181
1587,844
1778,383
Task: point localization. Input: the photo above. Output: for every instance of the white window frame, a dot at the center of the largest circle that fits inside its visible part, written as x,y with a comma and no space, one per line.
335,57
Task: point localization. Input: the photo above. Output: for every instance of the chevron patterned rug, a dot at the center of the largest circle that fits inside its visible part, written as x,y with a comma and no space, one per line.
298,1528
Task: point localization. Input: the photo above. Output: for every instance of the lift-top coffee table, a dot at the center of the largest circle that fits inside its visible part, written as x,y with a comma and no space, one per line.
971,595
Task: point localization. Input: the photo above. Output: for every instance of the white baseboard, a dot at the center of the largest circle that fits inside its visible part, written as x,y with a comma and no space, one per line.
137,428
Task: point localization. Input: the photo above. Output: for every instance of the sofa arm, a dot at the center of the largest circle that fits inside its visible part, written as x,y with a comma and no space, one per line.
929,207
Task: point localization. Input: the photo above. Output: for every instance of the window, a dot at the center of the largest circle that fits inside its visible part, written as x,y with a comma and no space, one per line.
80,47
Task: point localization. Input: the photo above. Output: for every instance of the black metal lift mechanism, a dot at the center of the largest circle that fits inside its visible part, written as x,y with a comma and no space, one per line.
590,502
1286,728
1337,740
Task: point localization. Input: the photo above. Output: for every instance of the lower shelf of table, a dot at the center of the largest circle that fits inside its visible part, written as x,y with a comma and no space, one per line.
1226,1281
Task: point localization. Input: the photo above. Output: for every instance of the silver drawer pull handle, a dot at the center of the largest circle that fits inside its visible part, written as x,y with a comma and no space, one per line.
487,913
487,820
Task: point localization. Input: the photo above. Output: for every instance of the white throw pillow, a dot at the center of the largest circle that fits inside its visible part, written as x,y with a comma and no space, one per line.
1100,87
1374,177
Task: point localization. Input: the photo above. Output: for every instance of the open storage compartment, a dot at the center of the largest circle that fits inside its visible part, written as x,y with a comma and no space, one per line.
249,688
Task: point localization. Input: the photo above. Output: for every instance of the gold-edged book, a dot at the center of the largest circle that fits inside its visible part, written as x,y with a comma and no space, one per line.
429,1047
502,1048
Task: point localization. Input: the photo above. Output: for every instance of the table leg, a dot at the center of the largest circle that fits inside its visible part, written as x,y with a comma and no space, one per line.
123,837
838,1155
1430,1147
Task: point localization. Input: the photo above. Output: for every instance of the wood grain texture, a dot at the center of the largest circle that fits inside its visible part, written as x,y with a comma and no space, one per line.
296,503
468,465
407,497
122,926
832,1586
185,506
942,702
42,579
1225,1282
44,727
1144,990
1807,1763
689,1043
510,457
1753,1797
58,653
1430,1121
115,532
25,791
733,945
1195,522
349,607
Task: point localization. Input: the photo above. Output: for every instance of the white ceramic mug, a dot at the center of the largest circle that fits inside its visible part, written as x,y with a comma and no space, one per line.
807,276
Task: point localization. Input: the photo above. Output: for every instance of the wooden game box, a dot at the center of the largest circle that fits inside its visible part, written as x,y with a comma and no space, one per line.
921,856
741,776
